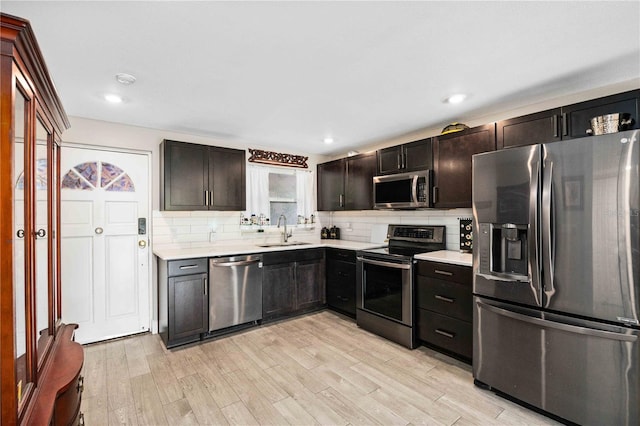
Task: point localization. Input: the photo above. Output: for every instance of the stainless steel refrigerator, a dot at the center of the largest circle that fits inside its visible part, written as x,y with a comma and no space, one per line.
556,262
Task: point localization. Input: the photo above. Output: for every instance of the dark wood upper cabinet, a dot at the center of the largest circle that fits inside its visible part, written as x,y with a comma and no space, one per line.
452,164
331,185
569,122
576,118
407,157
227,179
347,183
530,129
201,177
360,170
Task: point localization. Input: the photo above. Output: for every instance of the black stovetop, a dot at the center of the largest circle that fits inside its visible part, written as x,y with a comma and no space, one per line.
405,241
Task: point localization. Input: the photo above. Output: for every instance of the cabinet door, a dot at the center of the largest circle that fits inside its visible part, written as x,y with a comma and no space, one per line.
341,286
577,117
418,156
530,129
227,179
187,306
310,284
185,176
278,290
331,185
390,160
360,171
452,161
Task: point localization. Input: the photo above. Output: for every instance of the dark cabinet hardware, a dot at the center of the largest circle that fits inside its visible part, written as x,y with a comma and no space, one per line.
447,273
445,333
41,233
444,299
20,233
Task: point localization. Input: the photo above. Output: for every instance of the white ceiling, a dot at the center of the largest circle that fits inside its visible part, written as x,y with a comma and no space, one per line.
286,74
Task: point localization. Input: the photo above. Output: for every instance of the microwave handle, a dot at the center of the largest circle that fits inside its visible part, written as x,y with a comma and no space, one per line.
435,194
414,189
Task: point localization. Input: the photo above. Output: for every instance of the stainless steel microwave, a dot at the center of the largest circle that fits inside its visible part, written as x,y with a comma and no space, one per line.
403,190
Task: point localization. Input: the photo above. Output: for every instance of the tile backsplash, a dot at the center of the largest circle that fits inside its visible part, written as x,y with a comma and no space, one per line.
192,229
358,225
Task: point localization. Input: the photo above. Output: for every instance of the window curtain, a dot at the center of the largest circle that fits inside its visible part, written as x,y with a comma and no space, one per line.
305,193
258,193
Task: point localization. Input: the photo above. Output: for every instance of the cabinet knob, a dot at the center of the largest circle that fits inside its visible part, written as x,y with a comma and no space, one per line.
20,233
99,230
142,243
41,233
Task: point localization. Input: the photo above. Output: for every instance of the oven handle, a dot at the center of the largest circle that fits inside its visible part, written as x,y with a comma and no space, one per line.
387,264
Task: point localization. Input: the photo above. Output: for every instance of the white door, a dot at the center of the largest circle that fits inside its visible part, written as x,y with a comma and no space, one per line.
105,262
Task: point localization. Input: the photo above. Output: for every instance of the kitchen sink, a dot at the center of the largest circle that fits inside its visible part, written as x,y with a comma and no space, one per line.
288,243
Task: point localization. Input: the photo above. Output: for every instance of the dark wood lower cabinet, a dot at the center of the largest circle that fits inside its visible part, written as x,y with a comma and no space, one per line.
278,290
310,284
292,282
183,302
188,313
444,312
341,281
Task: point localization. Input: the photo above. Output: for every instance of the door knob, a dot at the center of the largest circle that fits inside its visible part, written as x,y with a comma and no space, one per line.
142,243
99,230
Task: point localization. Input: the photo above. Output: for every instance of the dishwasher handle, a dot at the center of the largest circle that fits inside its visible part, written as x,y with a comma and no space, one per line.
237,263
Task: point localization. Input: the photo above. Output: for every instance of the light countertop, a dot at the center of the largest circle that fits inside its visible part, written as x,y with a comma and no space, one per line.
221,249
447,256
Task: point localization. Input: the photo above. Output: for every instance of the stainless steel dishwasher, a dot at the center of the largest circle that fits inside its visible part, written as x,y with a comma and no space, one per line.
235,291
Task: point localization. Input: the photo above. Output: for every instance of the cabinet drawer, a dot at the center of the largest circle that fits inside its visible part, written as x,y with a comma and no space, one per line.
446,332
67,405
187,267
342,255
446,271
445,297
343,272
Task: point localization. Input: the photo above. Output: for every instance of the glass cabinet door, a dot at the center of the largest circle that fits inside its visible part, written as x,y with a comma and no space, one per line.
23,359
43,268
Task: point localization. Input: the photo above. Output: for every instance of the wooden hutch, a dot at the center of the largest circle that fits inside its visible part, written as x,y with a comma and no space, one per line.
40,363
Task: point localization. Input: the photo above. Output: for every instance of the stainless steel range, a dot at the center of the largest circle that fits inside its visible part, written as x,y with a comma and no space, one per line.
384,291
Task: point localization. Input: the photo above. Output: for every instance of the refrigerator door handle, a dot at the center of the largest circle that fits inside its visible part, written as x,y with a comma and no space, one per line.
534,248
558,326
548,241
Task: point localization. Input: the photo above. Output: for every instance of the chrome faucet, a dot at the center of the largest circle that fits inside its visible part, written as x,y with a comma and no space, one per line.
285,234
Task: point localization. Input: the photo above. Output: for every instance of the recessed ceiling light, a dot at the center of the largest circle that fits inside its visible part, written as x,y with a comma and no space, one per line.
455,99
113,98
328,140
124,78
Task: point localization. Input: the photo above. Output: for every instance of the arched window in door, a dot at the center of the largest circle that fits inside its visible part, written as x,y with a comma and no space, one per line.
96,174
41,176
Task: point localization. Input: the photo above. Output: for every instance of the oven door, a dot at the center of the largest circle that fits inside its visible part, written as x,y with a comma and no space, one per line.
385,289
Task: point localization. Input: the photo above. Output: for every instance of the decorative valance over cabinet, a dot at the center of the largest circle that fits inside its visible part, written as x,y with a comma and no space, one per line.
33,339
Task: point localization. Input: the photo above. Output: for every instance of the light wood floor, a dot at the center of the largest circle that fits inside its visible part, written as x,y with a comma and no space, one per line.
316,369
